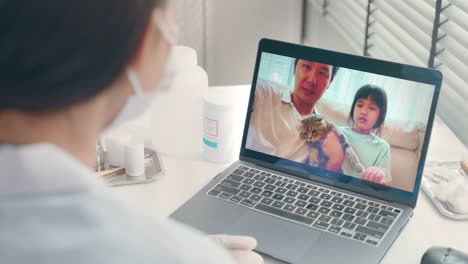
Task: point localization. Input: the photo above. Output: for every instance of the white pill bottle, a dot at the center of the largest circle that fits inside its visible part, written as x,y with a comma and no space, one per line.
219,126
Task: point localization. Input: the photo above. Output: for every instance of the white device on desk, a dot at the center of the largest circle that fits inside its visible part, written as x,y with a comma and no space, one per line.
138,162
300,213
126,161
446,185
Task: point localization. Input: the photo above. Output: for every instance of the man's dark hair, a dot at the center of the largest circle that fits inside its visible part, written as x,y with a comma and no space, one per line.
334,69
57,53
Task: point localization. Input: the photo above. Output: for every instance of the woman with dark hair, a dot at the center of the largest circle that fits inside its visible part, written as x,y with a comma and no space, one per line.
69,70
366,118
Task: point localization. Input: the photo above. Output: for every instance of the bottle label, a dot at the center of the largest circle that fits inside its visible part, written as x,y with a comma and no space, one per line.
211,132
210,126
209,143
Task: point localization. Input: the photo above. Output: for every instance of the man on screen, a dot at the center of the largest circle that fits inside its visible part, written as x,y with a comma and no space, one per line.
277,113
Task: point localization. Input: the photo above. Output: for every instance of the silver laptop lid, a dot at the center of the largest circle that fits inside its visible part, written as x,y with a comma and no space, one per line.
380,115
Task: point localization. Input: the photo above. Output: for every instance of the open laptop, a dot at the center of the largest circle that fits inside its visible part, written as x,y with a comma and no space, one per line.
301,213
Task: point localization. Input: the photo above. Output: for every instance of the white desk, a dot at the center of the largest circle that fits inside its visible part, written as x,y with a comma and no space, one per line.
184,177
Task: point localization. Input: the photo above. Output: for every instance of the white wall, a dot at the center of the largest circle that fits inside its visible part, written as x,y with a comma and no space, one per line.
234,28
321,34
226,33
190,17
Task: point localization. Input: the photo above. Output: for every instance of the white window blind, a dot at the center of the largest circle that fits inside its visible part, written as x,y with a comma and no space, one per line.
453,62
428,33
348,18
401,32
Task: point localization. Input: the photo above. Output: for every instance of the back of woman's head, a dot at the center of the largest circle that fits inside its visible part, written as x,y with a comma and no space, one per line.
54,54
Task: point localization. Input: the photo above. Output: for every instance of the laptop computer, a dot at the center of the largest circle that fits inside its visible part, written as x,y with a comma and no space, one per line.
301,211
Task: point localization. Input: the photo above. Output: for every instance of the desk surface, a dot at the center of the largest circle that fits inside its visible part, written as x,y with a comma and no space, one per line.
184,177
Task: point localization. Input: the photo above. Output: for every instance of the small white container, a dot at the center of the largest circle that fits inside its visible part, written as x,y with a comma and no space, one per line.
115,145
134,159
221,125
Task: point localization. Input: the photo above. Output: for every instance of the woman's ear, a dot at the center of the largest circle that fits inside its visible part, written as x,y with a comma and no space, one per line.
146,41
149,60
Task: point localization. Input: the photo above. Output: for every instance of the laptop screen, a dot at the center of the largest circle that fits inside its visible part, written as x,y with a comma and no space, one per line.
339,122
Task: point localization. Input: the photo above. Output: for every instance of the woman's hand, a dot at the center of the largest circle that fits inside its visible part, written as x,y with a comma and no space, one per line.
333,149
240,247
374,174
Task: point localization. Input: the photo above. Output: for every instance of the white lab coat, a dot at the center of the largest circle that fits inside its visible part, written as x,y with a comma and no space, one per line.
53,209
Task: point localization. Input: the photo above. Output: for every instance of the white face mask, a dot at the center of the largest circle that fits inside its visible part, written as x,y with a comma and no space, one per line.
140,101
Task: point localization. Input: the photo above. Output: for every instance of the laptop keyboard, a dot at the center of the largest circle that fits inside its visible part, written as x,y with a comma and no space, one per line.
315,206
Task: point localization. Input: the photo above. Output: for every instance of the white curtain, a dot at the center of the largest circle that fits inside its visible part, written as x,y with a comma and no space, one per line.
276,68
408,102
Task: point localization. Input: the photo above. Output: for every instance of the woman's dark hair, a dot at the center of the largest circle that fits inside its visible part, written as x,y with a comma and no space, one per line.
379,96
57,53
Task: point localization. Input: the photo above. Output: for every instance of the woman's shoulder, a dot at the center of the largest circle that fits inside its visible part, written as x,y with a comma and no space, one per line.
99,210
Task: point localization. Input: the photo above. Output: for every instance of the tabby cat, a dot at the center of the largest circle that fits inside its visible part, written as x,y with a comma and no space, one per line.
314,130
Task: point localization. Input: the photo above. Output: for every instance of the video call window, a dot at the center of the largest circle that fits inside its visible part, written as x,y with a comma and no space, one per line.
356,123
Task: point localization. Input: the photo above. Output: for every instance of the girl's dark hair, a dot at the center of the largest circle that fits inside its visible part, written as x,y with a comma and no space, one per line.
57,53
379,96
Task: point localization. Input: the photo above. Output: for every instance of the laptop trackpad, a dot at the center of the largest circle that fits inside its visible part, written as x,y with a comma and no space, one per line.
276,237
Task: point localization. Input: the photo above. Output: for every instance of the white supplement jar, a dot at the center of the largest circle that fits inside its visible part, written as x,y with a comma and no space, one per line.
223,120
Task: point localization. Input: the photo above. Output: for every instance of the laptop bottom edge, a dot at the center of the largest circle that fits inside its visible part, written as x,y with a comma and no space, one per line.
280,238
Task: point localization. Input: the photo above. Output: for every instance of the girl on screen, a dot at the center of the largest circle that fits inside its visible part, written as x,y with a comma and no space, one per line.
366,118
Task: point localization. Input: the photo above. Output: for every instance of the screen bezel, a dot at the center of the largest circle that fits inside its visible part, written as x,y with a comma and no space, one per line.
391,69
